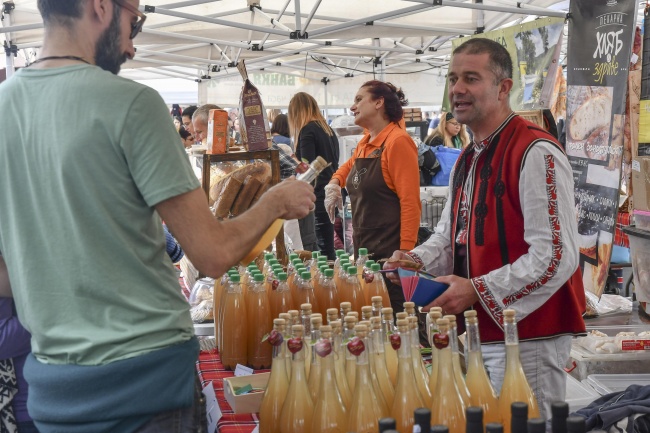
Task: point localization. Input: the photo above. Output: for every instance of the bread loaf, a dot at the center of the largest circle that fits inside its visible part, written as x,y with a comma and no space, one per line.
259,170
246,195
227,197
590,115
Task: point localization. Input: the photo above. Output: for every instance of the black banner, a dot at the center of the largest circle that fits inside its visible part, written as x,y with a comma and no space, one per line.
600,44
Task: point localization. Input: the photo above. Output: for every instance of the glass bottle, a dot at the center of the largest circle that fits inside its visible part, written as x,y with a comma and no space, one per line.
276,391
234,345
536,425
519,417
378,361
350,361
448,406
287,335
377,305
222,306
217,293
388,329
341,280
315,369
330,415
357,298
386,424
337,265
422,420
260,322
292,273
559,414
346,307
360,263
281,299
305,292
407,397
575,424
433,317
376,286
458,372
328,296
493,427
339,363
481,393
515,385
366,407
305,321
419,371
298,408
354,314
313,265
430,322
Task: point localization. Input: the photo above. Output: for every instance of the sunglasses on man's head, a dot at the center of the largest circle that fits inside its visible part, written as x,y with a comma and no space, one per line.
137,26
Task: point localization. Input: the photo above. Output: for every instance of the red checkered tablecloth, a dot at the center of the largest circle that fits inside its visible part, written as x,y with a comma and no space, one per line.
212,370
620,238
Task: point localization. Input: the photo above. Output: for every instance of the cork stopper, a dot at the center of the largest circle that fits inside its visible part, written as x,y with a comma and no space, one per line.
386,310
336,326
350,322
438,309
509,313
316,322
353,313
319,164
376,300
409,306
366,309
346,306
413,322
402,315
403,325
366,323
451,318
361,331
435,315
326,331
297,331
375,322
278,324
316,315
305,307
332,313
469,313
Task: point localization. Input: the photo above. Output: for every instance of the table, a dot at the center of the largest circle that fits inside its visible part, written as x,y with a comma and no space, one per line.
212,370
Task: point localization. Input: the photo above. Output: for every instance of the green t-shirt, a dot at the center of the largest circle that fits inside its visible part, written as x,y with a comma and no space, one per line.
84,158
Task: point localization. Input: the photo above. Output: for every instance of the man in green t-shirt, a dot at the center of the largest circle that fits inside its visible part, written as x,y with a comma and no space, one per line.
81,233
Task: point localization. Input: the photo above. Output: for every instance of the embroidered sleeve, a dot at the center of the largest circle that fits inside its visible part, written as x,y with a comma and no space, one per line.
546,191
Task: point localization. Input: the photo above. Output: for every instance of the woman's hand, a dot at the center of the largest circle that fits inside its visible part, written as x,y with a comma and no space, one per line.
333,199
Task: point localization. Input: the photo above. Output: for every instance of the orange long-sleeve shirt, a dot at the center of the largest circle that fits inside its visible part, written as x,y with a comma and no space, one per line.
399,165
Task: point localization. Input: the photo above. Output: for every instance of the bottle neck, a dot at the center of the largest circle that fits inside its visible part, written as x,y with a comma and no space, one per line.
404,351
473,337
234,288
510,331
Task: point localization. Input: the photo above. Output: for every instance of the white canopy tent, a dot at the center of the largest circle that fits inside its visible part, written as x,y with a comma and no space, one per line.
328,46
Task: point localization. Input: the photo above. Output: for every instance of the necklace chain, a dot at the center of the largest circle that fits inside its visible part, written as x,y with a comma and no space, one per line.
80,59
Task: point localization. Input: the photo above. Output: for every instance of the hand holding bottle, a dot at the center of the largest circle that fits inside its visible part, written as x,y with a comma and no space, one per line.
333,200
459,296
394,262
294,199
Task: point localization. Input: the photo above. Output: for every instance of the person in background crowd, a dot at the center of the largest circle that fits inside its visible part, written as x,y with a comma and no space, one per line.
280,130
449,133
433,123
271,114
176,111
14,348
508,235
113,347
200,122
381,178
313,137
178,123
186,138
187,118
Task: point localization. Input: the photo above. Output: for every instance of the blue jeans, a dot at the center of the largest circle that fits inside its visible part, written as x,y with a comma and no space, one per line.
186,420
27,427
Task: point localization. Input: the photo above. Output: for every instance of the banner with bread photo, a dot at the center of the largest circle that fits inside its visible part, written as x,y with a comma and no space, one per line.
599,51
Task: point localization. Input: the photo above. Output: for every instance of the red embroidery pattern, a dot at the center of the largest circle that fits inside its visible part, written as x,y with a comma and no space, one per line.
488,300
554,222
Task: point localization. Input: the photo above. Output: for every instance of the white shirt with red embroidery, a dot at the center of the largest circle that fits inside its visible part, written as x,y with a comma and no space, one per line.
547,198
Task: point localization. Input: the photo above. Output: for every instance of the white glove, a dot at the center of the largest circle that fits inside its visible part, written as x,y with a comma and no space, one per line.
333,200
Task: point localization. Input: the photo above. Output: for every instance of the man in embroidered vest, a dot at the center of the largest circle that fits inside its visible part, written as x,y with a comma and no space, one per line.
508,235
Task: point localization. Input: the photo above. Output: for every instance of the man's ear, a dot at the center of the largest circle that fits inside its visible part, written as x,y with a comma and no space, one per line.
102,10
504,89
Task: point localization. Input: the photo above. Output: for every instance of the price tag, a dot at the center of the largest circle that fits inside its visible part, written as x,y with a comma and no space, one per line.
242,370
212,407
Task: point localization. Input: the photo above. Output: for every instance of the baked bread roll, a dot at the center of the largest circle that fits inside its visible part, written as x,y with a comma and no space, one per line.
594,113
226,198
246,195
259,170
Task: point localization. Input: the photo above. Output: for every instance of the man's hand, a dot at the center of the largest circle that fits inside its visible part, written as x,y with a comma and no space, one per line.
295,199
333,200
459,296
393,263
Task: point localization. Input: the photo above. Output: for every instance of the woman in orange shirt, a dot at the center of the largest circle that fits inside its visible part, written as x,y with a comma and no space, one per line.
381,177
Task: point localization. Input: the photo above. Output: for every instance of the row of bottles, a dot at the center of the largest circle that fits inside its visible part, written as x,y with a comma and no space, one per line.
247,299
376,370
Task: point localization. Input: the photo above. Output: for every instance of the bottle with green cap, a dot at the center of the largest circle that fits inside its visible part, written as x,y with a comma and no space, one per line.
218,319
357,298
305,292
341,280
234,348
267,266
260,323
313,263
291,272
328,296
217,299
375,285
280,297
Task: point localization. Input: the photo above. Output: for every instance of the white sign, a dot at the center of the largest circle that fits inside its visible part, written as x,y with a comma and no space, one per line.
242,370
212,407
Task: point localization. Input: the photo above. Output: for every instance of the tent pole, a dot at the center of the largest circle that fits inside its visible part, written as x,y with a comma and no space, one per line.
7,9
326,80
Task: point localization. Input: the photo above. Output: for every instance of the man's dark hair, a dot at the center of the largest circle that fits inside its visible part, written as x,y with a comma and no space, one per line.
60,11
500,61
184,133
189,111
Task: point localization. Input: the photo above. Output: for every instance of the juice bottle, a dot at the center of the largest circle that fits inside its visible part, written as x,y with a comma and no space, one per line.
313,264
432,318
448,407
376,286
329,411
339,363
357,299
276,391
366,408
377,305
421,375
332,315
388,329
402,315
259,324
378,360
298,408
515,385
360,263
430,322
233,349
350,361
345,309
281,300
305,292
364,273
407,396
315,369
341,280
373,374
458,372
219,285
287,335
328,296
337,264
305,321
481,393
291,274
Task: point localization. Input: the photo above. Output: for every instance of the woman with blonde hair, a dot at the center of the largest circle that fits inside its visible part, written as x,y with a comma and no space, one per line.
449,133
313,137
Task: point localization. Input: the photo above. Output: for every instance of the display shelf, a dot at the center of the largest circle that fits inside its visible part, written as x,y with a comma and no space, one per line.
273,156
